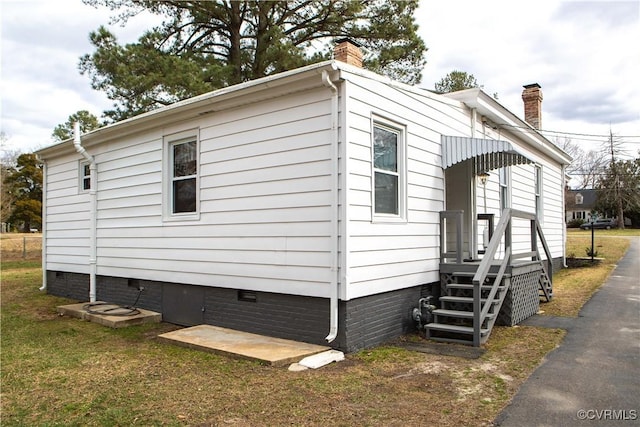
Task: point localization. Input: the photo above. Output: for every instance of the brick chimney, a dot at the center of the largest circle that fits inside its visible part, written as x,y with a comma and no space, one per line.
348,50
532,97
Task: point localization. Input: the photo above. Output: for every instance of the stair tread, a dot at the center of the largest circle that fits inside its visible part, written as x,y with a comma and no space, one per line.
470,286
458,313
455,328
463,299
473,273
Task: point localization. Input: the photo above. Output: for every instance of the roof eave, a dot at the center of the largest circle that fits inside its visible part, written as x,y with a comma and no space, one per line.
501,116
149,119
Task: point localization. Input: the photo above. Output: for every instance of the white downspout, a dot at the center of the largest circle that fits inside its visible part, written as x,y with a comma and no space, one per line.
335,283
474,118
44,227
93,254
473,244
564,217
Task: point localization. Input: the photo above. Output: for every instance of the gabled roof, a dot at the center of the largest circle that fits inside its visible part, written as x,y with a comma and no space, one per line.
589,199
231,96
301,79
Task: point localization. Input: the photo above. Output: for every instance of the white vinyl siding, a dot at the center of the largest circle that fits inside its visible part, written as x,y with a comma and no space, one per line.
265,205
264,218
524,198
67,220
384,255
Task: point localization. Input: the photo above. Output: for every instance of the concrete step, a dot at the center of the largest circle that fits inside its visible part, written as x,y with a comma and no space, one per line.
111,315
243,345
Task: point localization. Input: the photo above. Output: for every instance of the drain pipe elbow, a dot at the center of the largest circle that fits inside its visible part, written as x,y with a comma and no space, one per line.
335,283
77,143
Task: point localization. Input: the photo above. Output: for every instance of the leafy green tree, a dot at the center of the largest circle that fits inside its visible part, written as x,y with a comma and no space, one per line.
206,45
457,80
619,187
64,131
7,166
24,184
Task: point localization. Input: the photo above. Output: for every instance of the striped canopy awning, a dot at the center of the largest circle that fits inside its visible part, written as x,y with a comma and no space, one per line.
486,154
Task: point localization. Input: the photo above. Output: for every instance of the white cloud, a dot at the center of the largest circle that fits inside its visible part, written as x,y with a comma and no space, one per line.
41,86
584,54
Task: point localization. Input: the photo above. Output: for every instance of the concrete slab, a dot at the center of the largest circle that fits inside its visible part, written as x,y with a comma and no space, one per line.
273,351
112,321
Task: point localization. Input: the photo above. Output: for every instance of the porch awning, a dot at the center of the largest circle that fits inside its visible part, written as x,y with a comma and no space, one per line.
487,154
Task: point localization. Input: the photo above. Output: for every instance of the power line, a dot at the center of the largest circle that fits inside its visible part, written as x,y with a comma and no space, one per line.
573,133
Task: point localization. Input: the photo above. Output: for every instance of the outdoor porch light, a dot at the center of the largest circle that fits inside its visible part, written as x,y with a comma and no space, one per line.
484,175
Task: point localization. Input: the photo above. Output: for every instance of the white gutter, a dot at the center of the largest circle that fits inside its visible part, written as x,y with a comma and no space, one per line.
335,283
93,195
44,227
189,108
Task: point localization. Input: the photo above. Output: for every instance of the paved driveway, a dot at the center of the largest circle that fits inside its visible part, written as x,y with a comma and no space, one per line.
593,378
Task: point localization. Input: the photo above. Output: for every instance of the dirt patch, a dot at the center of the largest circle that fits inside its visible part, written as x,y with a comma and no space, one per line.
583,262
431,347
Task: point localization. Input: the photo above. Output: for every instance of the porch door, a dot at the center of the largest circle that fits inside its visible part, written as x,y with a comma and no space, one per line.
460,195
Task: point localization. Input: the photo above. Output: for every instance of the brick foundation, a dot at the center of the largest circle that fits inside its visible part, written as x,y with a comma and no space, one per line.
363,322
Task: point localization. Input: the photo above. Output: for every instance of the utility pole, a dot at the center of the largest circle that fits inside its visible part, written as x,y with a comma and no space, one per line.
616,180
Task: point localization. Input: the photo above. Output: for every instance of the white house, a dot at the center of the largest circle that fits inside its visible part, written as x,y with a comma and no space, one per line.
302,205
580,204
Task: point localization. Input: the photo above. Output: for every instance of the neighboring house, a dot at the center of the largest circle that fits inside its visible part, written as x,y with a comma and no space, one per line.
303,205
580,204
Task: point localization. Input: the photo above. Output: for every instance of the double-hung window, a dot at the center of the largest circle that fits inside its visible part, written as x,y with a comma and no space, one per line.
388,170
182,176
85,176
504,188
538,191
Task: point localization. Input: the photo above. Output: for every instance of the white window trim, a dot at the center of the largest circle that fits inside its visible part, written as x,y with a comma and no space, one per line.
167,175
82,177
538,197
401,173
504,188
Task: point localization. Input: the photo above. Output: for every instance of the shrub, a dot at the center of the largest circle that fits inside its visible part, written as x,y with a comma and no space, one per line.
575,223
588,252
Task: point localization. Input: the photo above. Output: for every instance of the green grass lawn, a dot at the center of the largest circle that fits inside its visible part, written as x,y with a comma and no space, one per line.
64,371
573,287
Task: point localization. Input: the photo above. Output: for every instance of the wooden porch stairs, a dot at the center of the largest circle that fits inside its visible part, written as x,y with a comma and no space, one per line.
471,299
454,321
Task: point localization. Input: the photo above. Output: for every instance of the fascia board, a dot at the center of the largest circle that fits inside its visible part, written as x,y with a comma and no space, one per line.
242,93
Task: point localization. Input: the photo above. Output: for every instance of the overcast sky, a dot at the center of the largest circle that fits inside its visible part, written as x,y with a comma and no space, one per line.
584,54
